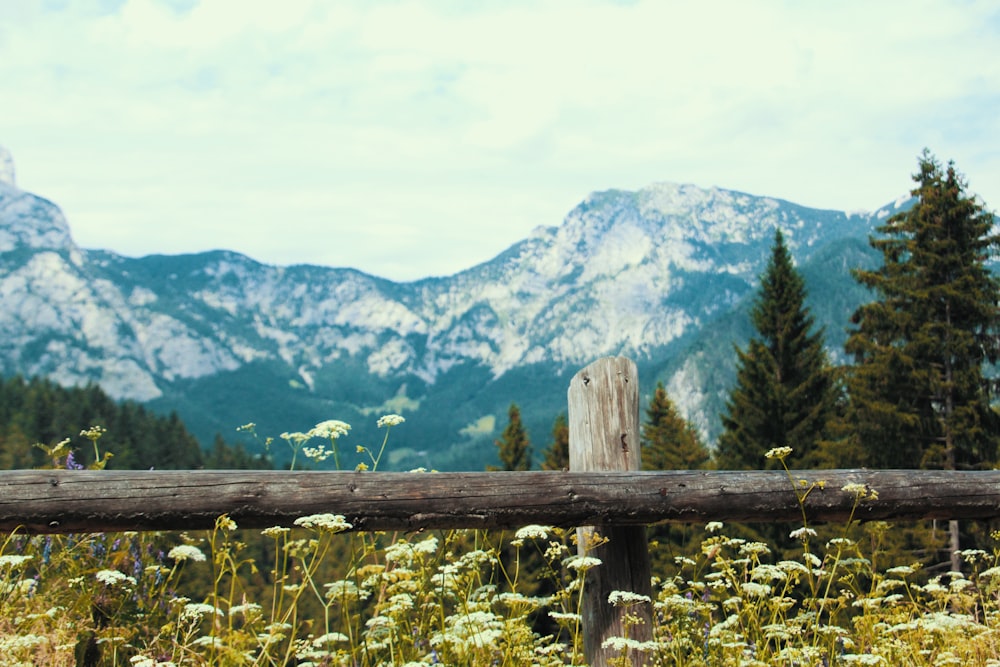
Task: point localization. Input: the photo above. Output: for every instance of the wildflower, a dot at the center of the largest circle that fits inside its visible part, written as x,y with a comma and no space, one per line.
111,578
754,548
390,420
317,454
295,438
626,598
225,523
274,531
713,526
754,590
186,552
249,427
330,429
532,532
93,433
329,638
11,560
427,546
626,644
559,616
194,611
780,453
245,609
860,491
581,563
802,533
333,523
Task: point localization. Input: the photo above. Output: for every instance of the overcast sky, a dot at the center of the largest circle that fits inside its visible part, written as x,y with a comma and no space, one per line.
409,139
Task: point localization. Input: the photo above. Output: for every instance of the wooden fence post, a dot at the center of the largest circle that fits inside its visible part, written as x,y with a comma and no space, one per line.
604,435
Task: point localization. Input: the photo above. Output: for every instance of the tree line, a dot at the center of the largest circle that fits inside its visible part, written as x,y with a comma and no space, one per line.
916,392
39,412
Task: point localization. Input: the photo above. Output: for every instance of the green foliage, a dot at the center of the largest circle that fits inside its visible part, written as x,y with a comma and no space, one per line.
514,447
557,453
785,393
669,442
918,395
39,411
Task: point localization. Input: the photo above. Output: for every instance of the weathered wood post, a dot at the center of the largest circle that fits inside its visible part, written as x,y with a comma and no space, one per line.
604,435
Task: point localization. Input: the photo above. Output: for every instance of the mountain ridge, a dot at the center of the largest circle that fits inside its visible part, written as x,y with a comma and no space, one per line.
644,273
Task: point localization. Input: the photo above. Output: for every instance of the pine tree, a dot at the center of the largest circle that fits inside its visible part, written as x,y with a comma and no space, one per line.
557,454
669,442
514,448
918,395
785,392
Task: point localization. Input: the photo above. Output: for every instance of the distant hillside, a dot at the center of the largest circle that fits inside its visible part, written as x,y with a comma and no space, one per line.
662,274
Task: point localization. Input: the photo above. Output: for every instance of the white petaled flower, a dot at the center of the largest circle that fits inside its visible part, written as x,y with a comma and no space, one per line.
114,578
333,523
778,453
626,598
582,563
246,608
802,533
274,531
713,526
330,429
13,560
186,552
330,638
533,532
317,454
194,611
390,420
296,437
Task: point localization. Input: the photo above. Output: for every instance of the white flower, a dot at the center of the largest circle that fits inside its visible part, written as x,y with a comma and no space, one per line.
12,560
329,638
247,608
274,531
802,533
194,611
390,420
296,437
626,598
582,563
778,453
330,429
333,523
626,643
186,552
317,454
532,532
713,526
114,578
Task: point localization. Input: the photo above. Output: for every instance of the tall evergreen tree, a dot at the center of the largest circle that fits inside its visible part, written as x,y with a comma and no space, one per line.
513,447
557,454
670,442
785,393
918,394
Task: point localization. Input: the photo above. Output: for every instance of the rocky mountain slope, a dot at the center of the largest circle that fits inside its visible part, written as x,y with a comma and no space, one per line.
662,275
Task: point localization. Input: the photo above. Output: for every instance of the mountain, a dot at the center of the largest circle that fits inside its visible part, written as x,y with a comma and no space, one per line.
663,275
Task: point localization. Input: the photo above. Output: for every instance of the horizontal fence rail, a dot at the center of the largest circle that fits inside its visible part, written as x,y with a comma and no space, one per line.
65,501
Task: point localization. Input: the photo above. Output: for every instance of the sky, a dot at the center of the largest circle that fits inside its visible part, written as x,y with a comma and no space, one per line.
414,138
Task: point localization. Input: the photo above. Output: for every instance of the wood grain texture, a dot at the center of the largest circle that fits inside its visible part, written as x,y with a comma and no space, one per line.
64,501
604,436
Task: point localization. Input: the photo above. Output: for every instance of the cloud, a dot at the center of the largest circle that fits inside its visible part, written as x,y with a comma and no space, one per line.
417,138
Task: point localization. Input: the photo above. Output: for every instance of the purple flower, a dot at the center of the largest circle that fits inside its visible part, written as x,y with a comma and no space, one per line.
71,463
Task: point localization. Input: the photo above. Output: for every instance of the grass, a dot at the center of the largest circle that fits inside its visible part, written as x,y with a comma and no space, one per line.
314,594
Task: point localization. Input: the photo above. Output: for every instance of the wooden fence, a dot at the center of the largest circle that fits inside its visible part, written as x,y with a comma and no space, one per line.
603,488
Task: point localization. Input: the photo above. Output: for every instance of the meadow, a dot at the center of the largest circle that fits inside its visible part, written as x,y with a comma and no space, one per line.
318,593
